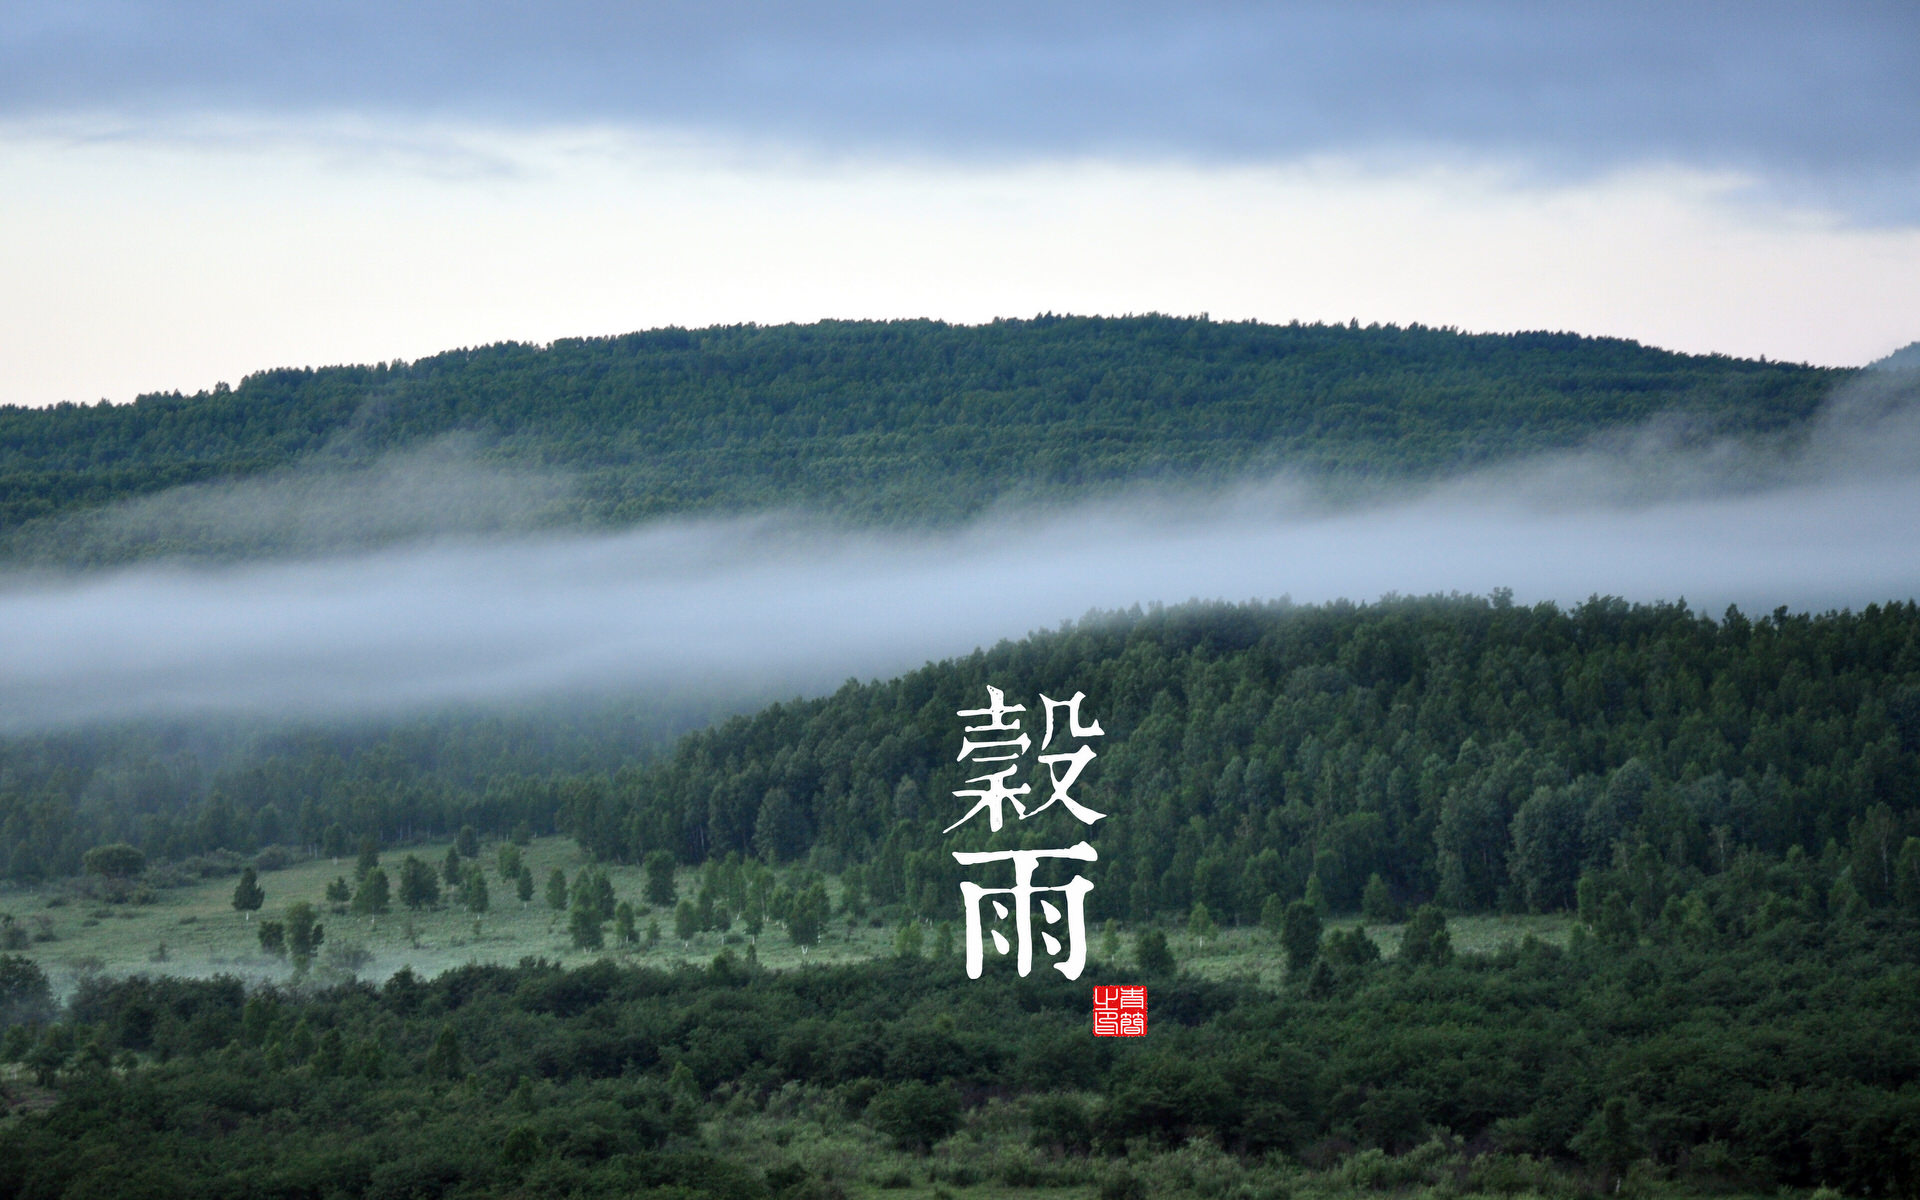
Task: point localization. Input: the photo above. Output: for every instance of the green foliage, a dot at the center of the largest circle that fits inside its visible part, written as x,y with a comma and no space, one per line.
473,890
1425,940
25,995
592,888
1907,880
418,886
1300,936
915,1114
467,842
248,895
585,926
1200,922
807,917
557,890
1151,954
508,860
660,889
339,891
913,421
1352,948
623,924
452,870
444,1059
372,897
909,941
1724,1064
1377,902
273,938
369,856
116,861
304,933
523,884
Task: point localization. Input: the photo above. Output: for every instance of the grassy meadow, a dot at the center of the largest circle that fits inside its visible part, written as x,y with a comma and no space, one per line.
193,929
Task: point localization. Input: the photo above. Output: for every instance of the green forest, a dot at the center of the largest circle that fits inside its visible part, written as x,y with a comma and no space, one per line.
1716,814
902,422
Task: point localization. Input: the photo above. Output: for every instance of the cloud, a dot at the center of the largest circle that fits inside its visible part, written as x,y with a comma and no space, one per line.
1818,103
747,608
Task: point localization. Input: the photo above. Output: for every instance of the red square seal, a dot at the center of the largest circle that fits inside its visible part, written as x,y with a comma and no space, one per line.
1120,1012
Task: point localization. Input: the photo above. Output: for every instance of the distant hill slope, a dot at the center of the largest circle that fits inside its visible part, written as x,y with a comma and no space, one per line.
903,422
1906,358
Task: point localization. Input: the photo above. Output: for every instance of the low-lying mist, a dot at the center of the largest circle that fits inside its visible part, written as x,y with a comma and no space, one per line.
753,607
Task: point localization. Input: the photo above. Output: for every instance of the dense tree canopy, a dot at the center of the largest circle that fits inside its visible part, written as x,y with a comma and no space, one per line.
903,421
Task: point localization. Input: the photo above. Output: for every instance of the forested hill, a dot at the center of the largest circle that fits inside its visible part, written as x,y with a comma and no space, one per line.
1492,756
905,421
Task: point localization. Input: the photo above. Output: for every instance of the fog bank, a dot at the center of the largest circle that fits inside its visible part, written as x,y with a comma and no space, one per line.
744,606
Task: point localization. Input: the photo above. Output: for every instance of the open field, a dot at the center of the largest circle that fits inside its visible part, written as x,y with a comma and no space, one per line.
193,930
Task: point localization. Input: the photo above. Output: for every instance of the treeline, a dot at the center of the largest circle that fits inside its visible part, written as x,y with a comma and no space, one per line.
1752,1037
1483,754
1468,750
195,789
905,421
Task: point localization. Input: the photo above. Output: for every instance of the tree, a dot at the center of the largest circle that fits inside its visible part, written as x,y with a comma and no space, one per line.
523,884
1151,954
1273,914
915,1114
593,884
444,1060
1300,936
1544,861
808,915
1376,902
248,896
1200,925
116,861
1350,949
660,889
1608,1142
25,996
330,1056
451,868
304,933
418,886
467,842
686,921
339,892
909,941
585,927
623,927
333,842
371,898
1907,878
508,857
273,938
473,890
1425,939
557,890
1874,844
369,856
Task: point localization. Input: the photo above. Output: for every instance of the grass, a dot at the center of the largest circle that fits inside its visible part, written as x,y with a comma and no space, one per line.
203,936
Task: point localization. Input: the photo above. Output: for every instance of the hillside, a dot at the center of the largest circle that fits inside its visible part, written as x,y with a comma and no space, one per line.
913,422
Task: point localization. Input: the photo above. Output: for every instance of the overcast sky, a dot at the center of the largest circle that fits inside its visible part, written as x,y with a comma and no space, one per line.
192,191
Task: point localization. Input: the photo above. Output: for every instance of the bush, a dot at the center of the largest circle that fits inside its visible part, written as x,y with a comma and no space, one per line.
915,1115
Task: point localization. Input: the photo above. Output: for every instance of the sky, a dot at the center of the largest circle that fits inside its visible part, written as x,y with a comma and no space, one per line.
195,191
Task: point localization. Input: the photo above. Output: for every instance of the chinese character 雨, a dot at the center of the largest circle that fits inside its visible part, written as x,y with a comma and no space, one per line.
1021,895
